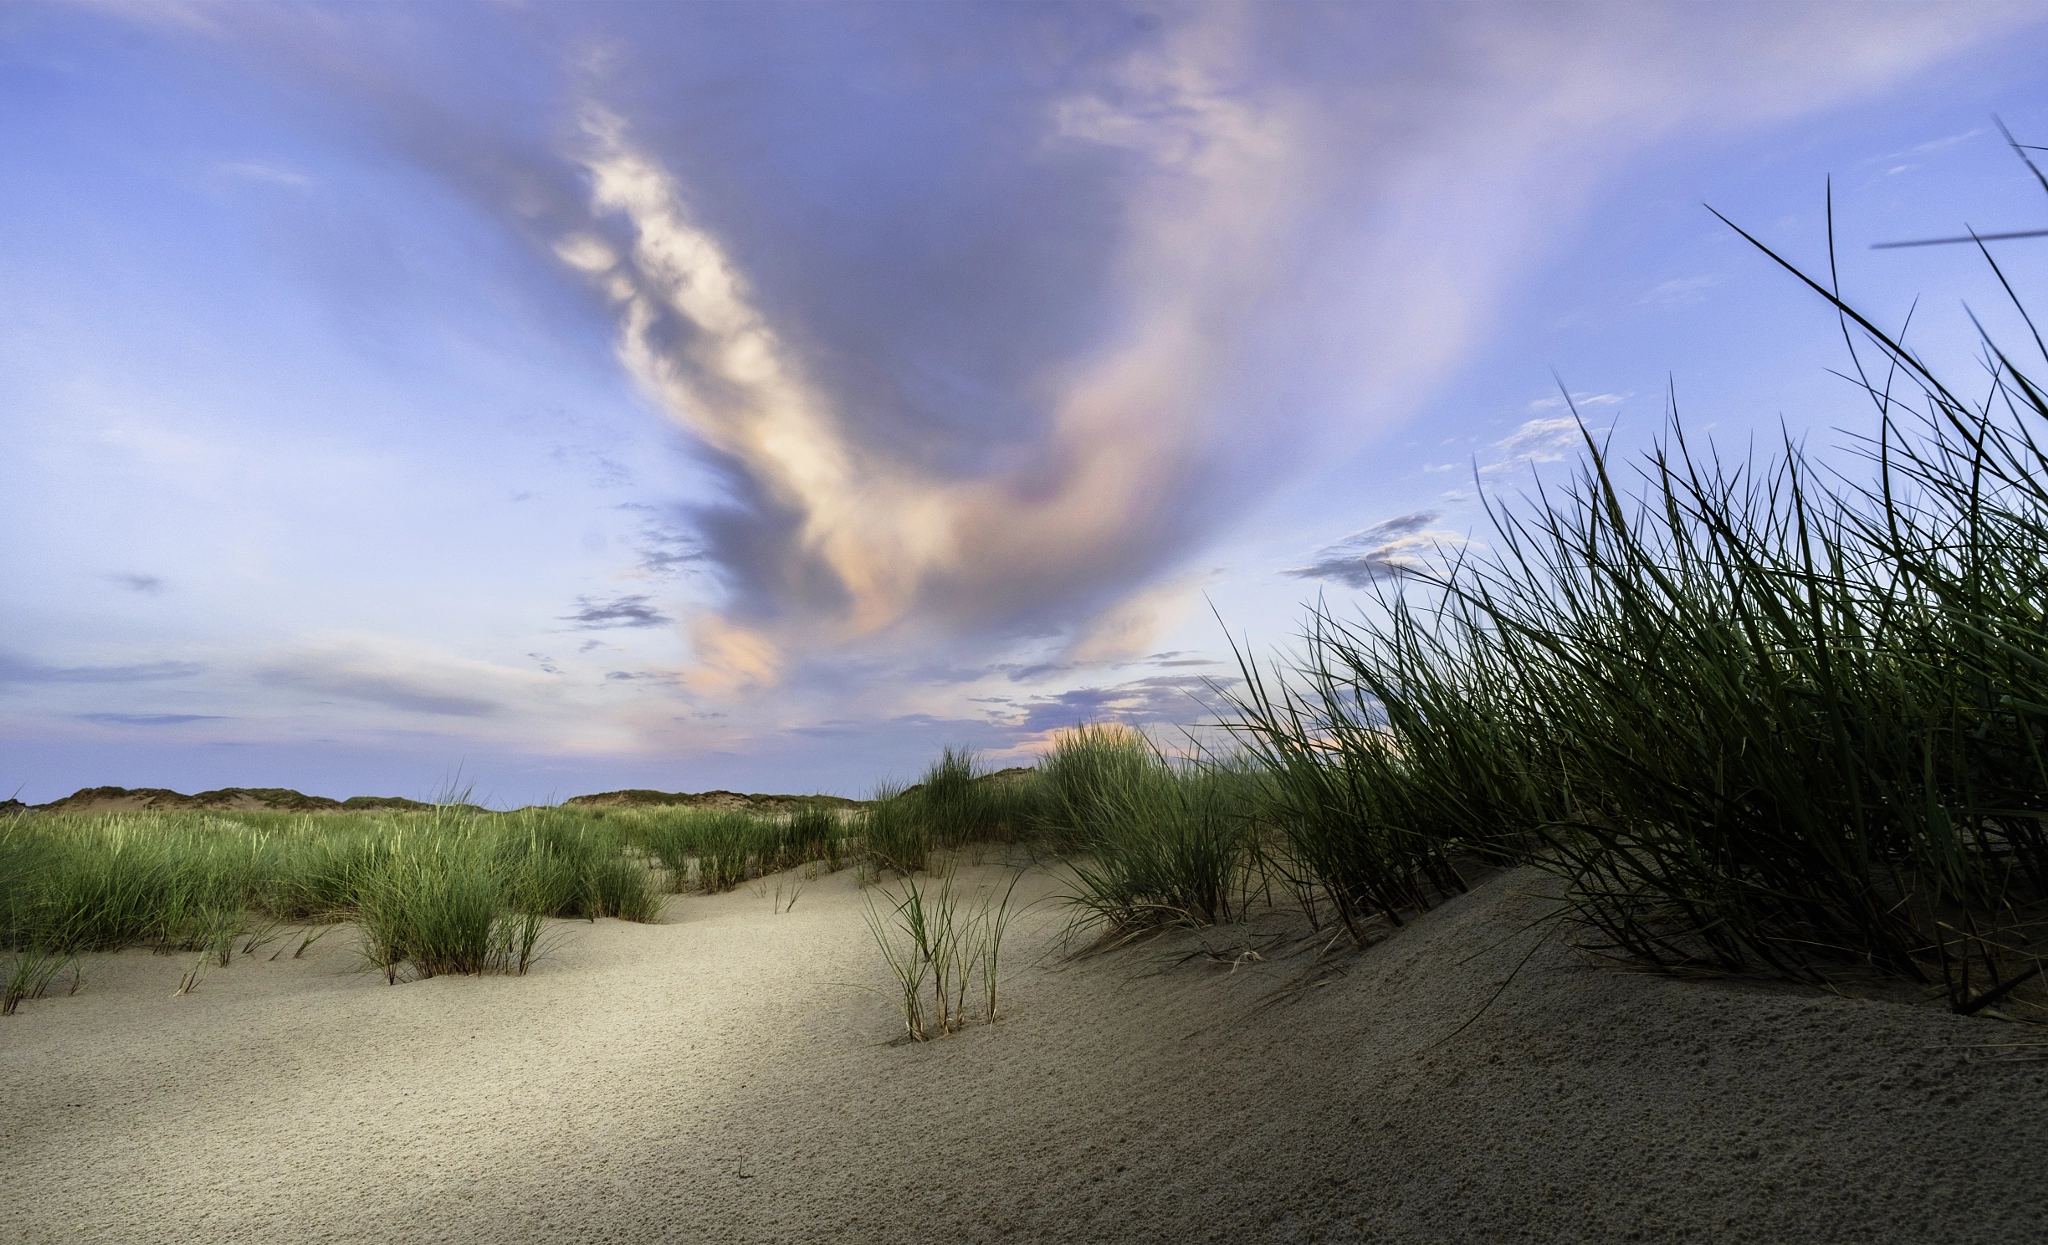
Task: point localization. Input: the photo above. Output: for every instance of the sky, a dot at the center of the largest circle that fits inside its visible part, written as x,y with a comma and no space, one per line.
563,397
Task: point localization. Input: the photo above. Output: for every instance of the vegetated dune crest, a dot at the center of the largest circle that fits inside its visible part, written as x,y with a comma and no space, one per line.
716,800
286,800
732,1075
226,799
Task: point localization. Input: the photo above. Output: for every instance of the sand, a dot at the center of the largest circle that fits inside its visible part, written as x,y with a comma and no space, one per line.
719,1078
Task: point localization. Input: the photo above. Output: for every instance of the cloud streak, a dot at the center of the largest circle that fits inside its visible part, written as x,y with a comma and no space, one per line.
1545,440
850,538
1388,549
1219,168
626,611
14,669
400,675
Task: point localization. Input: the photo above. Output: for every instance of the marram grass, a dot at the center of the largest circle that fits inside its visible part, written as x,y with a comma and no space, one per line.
1754,718
452,890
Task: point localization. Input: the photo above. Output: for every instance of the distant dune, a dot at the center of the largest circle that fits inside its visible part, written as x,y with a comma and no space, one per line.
233,799
286,800
640,798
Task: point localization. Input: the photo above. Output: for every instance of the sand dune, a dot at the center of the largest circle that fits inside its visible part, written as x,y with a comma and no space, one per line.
719,1078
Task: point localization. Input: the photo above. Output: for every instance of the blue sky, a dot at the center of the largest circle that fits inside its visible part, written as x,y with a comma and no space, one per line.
762,395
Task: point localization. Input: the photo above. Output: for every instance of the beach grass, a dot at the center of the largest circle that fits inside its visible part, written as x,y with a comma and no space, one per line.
1755,716
455,889
935,938
1162,842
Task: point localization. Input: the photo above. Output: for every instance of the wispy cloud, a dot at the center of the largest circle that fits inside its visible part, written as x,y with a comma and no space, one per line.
848,536
1388,549
666,549
1160,700
151,719
598,469
15,669
402,675
1680,291
1557,401
1928,148
1537,441
626,611
264,171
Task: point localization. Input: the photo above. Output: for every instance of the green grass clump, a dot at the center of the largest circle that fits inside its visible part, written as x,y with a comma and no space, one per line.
452,890
958,802
1753,717
717,850
894,835
814,833
1165,844
27,974
432,906
1083,775
931,940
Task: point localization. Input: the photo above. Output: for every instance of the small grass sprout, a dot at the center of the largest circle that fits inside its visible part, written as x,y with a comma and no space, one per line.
27,975
930,944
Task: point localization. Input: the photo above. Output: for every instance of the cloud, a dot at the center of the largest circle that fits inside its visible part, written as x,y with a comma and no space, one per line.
1388,549
1178,658
14,669
1173,700
264,171
625,611
599,470
404,676
843,534
1680,291
149,585
731,658
1537,441
1581,400
1927,148
666,550
1257,203
1948,141
1136,623
151,719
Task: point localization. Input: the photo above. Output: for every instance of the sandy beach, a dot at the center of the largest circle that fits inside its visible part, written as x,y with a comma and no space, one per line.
723,1076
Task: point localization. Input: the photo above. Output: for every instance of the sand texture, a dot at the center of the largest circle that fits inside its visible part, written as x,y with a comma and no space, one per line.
715,1079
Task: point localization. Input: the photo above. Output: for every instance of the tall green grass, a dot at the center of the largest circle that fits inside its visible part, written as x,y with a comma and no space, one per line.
959,802
1082,775
1151,841
455,889
717,850
1753,716
1147,840
931,939
893,836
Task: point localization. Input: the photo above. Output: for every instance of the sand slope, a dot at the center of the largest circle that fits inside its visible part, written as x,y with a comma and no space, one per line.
706,1080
